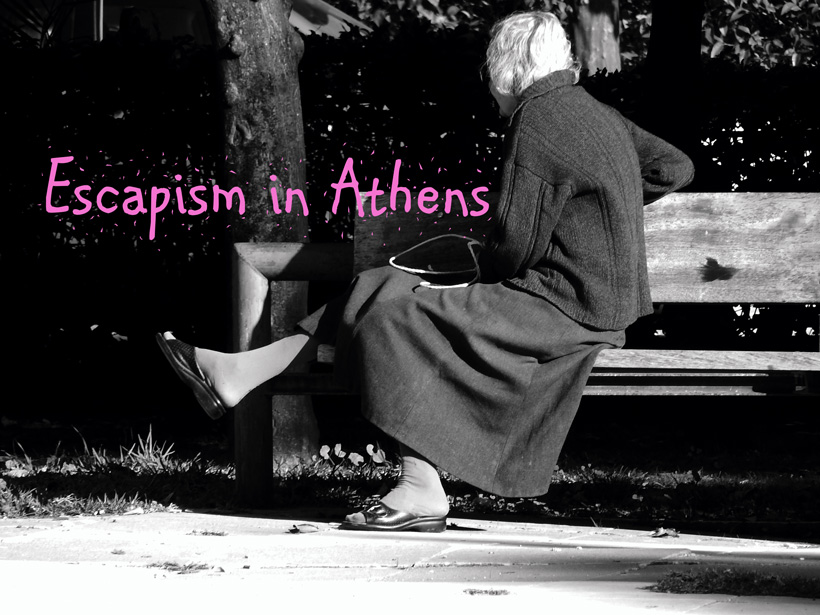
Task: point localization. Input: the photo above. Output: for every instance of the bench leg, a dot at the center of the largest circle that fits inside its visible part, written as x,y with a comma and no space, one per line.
295,430
252,426
253,445
813,383
264,311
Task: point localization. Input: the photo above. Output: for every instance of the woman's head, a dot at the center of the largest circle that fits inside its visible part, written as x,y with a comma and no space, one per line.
524,48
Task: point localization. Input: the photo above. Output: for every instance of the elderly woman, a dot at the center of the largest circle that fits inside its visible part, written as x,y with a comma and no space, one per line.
484,381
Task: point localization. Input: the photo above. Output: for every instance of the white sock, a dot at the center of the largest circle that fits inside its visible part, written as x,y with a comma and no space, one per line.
419,490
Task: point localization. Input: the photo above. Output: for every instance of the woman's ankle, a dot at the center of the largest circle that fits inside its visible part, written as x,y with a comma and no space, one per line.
419,490
220,370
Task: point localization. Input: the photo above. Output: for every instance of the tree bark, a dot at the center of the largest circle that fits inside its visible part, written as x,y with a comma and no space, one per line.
264,136
595,33
263,131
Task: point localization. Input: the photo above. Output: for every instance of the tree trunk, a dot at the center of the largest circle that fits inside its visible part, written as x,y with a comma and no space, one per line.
263,132
264,136
595,33
673,73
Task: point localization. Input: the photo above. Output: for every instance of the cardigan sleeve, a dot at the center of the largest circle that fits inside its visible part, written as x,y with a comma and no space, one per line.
664,168
528,212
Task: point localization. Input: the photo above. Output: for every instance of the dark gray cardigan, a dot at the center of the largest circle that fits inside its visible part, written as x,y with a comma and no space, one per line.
570,220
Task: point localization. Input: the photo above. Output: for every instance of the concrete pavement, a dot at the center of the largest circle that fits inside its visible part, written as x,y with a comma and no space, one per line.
196,562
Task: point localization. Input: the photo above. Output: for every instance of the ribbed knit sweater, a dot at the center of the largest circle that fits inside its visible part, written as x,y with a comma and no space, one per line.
576,176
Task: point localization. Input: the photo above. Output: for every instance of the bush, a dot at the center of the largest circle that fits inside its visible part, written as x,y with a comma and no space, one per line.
763,32
412,91
130,115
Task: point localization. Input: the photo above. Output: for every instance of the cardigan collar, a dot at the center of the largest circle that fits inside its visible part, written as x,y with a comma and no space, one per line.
553,81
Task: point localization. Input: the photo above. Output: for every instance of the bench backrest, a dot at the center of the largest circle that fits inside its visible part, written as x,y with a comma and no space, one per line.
701,247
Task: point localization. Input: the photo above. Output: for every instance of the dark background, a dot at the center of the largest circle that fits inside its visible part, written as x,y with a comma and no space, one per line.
83,295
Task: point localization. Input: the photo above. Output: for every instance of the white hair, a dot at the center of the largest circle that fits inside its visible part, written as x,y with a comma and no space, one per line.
526,47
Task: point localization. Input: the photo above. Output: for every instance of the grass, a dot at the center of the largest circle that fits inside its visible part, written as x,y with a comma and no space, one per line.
145,477
149,476
737,583
763,504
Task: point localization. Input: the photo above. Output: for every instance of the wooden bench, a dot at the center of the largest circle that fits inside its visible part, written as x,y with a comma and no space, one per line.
730,248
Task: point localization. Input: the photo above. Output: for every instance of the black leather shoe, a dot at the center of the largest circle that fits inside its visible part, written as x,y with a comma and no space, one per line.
381,518
181,357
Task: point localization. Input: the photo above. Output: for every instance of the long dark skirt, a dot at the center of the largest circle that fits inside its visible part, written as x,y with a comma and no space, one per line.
484,381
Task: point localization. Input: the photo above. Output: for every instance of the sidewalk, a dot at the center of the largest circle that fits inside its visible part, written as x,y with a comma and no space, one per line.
202,563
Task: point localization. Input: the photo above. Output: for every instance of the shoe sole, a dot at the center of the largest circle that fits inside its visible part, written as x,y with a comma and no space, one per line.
204,394
432,524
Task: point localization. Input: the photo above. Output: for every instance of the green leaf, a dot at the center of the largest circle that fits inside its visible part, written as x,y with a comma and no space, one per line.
716,49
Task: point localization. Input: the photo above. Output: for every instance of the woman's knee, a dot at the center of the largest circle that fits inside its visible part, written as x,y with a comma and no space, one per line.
380,276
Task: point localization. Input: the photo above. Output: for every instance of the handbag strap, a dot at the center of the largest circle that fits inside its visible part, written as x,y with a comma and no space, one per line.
470,243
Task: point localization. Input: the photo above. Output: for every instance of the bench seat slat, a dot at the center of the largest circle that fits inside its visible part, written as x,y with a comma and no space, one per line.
708,360
599,384
694,390
735,247
686,360
304,383
700,247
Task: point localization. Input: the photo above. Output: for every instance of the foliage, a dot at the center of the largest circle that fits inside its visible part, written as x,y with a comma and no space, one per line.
754,32
149,476
763,32
34,24
387,96
477,14
133,115
94,482
480,15
337,462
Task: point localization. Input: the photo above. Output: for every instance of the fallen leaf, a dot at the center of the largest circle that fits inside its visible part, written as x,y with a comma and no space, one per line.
665,533
303,528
